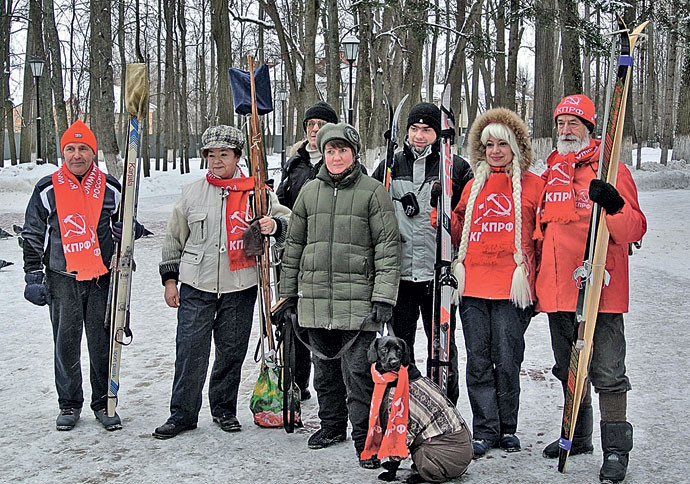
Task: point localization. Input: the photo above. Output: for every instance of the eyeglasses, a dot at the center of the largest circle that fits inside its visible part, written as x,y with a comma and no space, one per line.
313,123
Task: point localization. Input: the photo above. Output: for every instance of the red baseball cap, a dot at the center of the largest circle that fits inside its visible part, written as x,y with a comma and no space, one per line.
577,105
79,133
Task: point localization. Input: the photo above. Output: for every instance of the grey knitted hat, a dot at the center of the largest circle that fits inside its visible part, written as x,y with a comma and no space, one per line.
342,131
221,136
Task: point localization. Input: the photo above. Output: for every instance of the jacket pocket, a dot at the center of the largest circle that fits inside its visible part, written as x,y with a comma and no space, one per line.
198,227
190,265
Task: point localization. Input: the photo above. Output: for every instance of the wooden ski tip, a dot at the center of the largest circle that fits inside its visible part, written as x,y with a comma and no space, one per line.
137,90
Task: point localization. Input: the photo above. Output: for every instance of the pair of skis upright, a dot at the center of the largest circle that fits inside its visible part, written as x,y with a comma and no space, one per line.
122,264
444,281
591,275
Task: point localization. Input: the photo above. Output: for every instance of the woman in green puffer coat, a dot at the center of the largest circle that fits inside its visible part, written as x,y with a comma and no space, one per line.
340,271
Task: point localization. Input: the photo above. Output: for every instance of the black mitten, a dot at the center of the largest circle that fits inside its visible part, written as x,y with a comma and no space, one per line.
606,196
380,313
435,193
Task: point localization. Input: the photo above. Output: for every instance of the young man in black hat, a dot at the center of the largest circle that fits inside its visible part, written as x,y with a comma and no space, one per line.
414,171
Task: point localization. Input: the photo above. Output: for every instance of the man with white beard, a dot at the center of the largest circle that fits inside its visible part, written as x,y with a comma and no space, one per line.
572,188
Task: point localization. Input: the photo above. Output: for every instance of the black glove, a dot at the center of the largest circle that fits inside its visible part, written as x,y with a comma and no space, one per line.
380,313
36,291
117,231
606,196
435,193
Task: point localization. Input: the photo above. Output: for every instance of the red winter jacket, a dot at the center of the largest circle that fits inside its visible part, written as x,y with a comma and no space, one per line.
563,247
492,280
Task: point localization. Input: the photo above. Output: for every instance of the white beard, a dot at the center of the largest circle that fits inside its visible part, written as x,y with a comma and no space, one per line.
569,143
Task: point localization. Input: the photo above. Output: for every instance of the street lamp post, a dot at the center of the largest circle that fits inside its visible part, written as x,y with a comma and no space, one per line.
36,64
282,95
351,47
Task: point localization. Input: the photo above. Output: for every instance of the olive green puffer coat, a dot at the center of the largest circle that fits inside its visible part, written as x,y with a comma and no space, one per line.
342,251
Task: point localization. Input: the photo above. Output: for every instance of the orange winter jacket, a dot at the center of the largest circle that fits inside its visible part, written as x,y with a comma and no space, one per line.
563,246
491,279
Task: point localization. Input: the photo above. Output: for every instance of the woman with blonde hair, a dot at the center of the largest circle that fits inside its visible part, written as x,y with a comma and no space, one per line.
493,225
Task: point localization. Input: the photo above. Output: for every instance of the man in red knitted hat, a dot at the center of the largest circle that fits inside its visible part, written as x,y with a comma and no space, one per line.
68,244
572,188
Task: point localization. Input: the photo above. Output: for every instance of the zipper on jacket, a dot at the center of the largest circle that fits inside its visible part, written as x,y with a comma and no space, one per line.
330,261
223,201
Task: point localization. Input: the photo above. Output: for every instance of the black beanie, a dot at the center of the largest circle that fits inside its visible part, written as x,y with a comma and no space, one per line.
425,113
320,110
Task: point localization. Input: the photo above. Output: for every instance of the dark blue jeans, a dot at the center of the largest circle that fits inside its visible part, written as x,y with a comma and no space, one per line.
228,318
607,369
75,305
415,298
343,386
494,339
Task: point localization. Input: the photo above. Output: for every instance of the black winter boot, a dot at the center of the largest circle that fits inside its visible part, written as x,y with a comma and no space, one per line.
616,442
582,438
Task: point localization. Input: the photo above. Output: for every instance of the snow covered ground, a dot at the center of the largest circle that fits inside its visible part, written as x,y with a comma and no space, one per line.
31,450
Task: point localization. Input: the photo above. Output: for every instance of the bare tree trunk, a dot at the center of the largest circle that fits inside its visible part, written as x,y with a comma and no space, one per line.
220,27
516,30
52,41
415,38
681,145
431,80
667,140
169,85
101,84
570,46
182,93
500,66
332,45
5,103
651,98
160,156
544,66
311,21
364,87
123,119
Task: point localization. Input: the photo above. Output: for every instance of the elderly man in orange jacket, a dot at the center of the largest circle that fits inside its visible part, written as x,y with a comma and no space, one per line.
572,188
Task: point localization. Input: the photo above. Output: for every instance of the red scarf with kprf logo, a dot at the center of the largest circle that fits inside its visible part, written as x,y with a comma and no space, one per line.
492,228
558,198
79,208
394,442
237,216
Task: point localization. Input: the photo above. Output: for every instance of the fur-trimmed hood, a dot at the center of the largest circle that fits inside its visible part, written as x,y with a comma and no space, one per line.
511,120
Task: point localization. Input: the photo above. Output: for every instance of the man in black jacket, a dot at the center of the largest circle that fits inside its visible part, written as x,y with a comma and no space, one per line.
414,171
69,226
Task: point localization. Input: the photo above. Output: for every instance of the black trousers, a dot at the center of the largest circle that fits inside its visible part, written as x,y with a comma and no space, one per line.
202,315
494,338
75,305
607,369
415,298
344,385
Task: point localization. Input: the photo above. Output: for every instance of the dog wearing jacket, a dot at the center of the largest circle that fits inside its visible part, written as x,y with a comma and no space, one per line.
437,438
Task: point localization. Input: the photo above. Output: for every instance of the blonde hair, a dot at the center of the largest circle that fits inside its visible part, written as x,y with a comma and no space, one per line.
520,293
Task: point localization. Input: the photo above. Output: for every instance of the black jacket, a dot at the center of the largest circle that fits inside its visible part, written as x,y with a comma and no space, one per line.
297,172
42,240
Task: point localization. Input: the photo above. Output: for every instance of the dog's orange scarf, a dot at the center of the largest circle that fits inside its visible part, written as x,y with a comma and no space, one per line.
79,208
236,216
394,442
558,198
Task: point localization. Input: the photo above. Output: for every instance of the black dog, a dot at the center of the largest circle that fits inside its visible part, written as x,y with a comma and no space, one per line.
389,353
